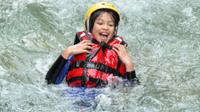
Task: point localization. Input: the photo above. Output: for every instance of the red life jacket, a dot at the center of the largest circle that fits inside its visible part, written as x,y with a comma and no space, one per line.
93,69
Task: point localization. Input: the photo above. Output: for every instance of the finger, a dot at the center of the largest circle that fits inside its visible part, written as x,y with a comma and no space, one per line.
121,47
88,47
86,51
86,41
118,46
116,50
89,44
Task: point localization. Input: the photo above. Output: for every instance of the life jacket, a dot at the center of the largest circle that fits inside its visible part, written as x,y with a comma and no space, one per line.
93,69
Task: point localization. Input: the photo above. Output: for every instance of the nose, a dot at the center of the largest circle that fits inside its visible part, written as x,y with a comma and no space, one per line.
105,26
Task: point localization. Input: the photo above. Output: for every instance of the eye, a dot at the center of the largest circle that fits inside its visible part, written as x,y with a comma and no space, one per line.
100,23
111,24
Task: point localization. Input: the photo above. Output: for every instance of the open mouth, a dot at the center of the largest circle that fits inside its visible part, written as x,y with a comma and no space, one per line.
105,35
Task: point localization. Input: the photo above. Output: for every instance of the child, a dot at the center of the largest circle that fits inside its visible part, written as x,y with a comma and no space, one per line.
97,55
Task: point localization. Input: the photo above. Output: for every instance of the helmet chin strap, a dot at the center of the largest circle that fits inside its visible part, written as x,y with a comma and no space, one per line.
88,25
116,30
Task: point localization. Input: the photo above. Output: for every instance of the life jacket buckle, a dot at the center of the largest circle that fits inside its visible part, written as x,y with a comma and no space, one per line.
105,45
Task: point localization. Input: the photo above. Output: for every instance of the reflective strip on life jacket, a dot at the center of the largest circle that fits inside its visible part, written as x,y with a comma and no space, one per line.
97,66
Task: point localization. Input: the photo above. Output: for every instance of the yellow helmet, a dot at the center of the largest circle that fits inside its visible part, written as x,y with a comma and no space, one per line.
100,5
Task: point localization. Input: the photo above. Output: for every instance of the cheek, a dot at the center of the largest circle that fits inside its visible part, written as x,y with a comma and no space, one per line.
113,30
95,28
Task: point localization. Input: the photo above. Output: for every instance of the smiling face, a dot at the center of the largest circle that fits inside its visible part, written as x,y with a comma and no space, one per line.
104,27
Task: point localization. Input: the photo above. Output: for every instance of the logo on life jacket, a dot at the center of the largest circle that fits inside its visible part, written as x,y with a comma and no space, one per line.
93,69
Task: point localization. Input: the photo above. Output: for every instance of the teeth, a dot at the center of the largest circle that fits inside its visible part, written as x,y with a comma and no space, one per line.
104,34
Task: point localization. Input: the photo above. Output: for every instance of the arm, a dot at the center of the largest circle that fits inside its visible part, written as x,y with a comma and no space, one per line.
82,47
127,60
55,69
64,71
59,69
124,57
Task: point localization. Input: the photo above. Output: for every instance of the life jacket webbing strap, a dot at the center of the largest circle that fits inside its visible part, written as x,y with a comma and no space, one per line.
118,63
98,82
97,66
88,35
90,56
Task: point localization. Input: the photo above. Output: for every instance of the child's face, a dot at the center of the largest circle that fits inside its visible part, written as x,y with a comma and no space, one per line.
104,27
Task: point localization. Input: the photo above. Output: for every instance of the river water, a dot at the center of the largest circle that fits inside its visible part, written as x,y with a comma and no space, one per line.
163,38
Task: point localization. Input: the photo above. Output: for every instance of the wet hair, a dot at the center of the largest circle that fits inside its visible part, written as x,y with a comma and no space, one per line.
98,12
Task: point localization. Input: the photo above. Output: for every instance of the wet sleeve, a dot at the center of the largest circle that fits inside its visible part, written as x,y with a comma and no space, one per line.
55,70
62,74
131,76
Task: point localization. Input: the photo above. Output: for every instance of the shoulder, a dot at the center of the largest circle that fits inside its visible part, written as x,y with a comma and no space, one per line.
121,39
82,35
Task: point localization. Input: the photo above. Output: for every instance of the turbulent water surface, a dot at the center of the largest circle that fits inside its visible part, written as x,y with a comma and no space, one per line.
163,38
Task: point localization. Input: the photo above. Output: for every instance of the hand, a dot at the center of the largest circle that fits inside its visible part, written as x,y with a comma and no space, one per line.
82,47
124,56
